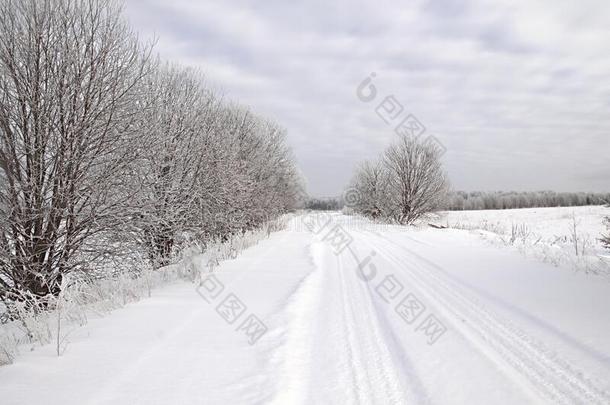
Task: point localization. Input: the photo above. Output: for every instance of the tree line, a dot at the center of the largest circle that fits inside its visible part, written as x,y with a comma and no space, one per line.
606,238
476,200
105,150
323,204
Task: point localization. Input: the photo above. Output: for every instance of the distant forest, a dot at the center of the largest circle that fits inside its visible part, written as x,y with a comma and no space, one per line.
324,204
499,200
496,200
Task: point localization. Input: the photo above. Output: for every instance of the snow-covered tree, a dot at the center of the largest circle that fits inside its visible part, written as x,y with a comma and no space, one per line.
103,151
69,71
404,185
172,124
416,182
369,187
257,171
210,169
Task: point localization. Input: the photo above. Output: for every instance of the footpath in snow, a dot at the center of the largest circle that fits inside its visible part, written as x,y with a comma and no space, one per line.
338,310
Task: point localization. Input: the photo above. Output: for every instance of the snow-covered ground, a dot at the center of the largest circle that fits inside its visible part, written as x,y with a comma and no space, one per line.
568,236
337,310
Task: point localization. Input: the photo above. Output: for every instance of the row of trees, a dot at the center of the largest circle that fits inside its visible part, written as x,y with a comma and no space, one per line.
323,204
606,238
404,184
461,200
106,151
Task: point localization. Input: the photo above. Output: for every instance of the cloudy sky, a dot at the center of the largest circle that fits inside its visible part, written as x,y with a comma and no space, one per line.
517,91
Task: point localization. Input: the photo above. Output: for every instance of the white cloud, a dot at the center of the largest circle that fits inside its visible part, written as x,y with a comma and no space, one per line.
517,90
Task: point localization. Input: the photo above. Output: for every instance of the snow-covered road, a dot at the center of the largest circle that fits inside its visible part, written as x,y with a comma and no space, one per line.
339,310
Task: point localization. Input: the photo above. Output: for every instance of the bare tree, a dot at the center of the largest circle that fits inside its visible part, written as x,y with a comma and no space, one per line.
369,185
103,151
416,182
68,78
211,170
256,170
173,127
407,183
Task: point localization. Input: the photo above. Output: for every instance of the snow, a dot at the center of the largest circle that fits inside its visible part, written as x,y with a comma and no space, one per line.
509,328
547,234
546,222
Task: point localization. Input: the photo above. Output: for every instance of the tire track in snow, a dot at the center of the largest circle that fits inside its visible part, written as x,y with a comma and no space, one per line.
292,359
356,366
553,378
317,327
380,367
328,308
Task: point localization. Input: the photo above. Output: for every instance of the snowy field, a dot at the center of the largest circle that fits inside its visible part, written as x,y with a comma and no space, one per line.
568,236
335,309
